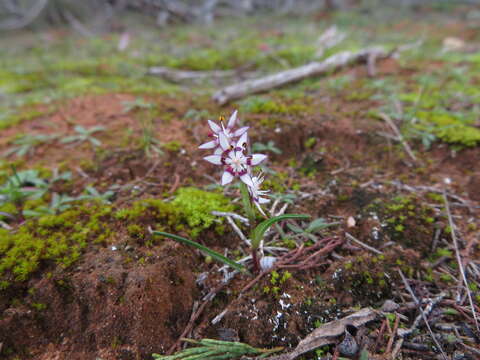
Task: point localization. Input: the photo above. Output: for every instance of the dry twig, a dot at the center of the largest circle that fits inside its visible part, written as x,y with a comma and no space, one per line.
268,82
422,314
459,259
368,247
399,136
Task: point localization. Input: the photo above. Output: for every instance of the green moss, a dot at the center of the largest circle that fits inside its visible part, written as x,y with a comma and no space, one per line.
173,146
449,127
58,239
136,231
310,142
190,211
369,278
263,105
39,306
195,206
408,221
8,208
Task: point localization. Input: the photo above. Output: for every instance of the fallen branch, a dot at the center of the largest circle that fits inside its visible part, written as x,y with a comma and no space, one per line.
179,76
332,63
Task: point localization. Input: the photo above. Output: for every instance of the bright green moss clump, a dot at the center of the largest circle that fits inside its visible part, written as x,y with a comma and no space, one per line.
195,207
450,129
57,239
190,211
60,239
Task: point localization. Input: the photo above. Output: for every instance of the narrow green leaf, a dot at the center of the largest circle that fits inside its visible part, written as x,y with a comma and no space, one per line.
295,228
319,224
259,231
215,255
247,205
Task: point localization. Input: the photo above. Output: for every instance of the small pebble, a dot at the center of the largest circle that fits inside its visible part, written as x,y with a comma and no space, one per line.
348,346
390,306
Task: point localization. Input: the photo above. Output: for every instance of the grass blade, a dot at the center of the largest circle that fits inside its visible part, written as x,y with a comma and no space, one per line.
259,231
215,255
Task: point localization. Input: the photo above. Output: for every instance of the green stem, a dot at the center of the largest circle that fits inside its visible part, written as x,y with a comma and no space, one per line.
247,204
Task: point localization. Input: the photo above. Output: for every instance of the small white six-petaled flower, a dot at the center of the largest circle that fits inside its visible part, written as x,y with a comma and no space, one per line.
229,132
230,146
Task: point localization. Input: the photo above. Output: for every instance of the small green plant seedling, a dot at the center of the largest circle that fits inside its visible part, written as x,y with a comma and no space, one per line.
137,104
94,194
83,134
25,145
315,226
58,204
270,147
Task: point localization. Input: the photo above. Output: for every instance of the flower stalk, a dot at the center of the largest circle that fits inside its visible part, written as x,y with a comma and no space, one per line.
230,151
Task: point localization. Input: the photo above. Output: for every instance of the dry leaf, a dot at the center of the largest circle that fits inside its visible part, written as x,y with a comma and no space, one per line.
328,333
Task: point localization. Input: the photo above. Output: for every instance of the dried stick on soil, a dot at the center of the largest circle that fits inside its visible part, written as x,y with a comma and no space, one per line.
232,215
400,138
459,259
422,313
179,76
238,231
392,337
268,82
368,247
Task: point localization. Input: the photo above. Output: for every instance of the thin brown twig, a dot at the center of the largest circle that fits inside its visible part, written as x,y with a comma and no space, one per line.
422,313
380,334
459,259
392,337
368,247
399,135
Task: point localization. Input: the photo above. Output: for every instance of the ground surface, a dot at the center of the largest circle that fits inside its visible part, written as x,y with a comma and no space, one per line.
82,278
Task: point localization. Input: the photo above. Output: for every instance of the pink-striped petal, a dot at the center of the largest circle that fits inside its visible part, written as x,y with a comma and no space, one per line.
242,140
247,180
218,151
226,178
241,131
232,120
215,128
214,159
224,143
208,145
258,158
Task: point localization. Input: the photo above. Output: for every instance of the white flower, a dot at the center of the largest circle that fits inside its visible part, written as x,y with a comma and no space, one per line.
256,193
236,163
229,132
